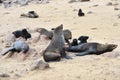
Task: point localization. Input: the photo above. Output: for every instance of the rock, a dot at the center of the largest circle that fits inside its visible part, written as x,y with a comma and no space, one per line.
4,75
95,5
109,4
116,8
89,12
38,64
71,1
83,0
23,2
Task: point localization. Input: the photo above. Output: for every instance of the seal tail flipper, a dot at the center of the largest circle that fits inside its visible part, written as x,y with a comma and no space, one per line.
5,51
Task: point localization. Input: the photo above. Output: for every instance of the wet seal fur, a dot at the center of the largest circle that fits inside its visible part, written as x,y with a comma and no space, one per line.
18,46
56,49
91,48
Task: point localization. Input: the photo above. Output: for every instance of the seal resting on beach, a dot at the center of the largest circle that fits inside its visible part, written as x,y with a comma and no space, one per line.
22,33
91,48
67,33
56,49
11,38
18,46
30,14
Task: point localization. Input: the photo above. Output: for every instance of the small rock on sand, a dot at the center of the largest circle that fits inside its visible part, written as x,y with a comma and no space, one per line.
39,64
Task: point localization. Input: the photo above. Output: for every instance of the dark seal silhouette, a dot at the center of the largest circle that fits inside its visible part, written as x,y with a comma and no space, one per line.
80,13
56,49
18,46
30,14
67,33
91,48
83,39
22,33
74,42
1,1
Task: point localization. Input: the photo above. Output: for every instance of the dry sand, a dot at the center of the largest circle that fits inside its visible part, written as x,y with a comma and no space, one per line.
101,26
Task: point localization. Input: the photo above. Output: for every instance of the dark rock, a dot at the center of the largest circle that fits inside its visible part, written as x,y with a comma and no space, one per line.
89,12
4,75
109,4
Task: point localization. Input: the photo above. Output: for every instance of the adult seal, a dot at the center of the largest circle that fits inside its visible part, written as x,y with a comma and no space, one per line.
56,49
67,33
91,48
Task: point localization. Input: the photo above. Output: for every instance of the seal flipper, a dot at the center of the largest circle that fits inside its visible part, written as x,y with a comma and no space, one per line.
4,52
82,53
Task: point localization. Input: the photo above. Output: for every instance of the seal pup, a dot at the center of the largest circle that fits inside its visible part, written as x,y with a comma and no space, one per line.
56,49
83,39
74,42
80,13
91,48
18,46
30,14
22,33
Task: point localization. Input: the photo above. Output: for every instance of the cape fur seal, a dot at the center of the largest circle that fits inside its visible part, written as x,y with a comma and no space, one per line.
91,48
80,13
30,14
18,46
74,42
83,39
22,33
67,33
56,49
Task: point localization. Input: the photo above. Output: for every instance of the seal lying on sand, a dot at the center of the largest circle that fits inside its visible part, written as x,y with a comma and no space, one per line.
56,49
18,46
67,33
22,33
16,34
30,14
91,48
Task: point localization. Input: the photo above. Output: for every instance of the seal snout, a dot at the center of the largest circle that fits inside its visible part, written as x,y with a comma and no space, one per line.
114,46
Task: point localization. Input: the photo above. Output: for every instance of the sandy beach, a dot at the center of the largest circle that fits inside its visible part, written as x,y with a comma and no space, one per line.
101,25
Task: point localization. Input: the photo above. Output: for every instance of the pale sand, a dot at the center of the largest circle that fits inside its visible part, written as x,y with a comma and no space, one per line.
101,26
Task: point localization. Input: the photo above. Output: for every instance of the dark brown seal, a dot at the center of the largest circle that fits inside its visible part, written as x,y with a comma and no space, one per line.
67,33
91,48
30,14
55,50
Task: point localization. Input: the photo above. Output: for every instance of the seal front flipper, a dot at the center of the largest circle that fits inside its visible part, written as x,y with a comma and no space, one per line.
5,51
